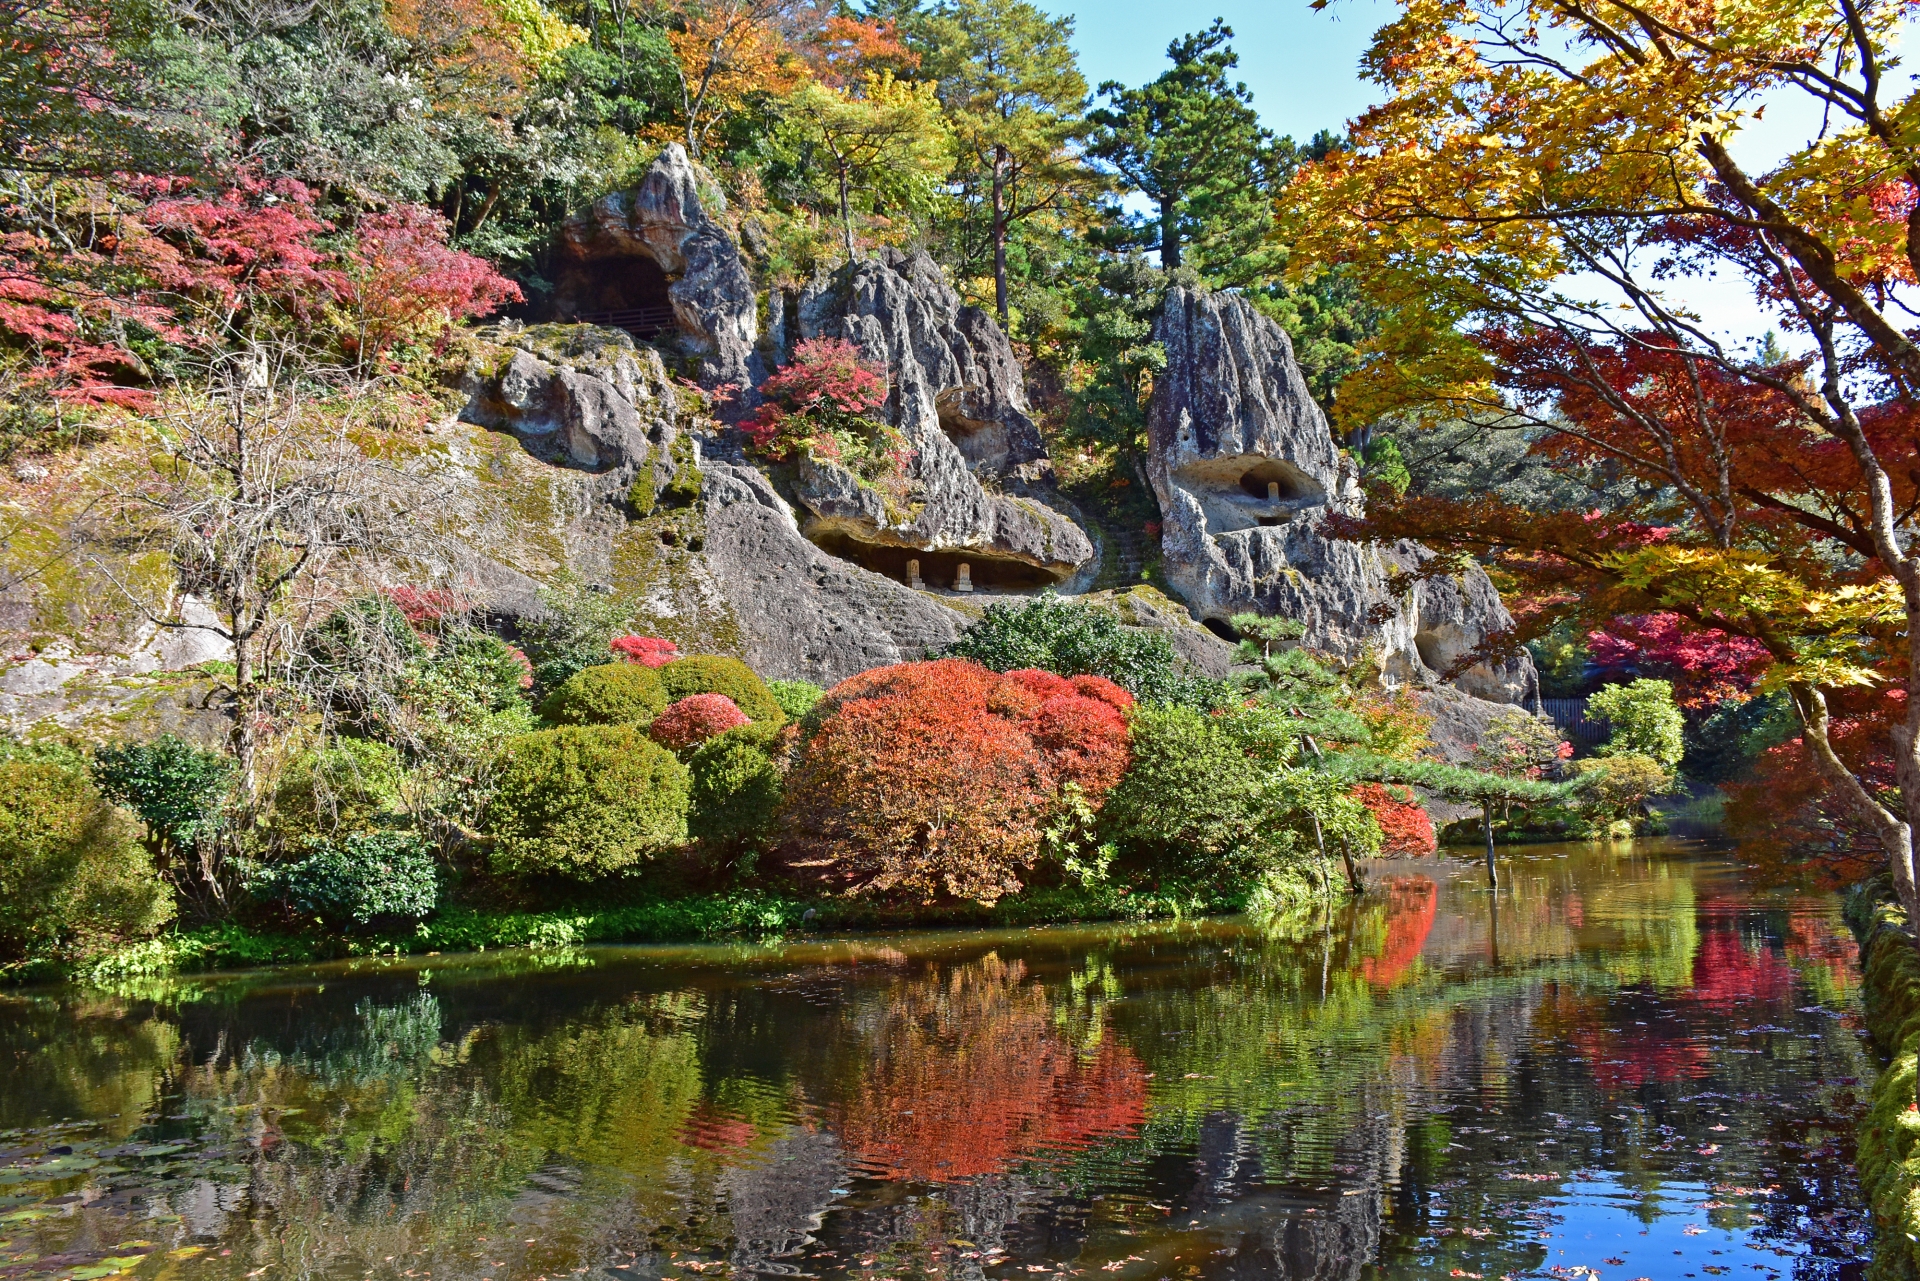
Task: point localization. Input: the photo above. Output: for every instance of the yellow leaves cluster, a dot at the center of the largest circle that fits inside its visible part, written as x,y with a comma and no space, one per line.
1829,635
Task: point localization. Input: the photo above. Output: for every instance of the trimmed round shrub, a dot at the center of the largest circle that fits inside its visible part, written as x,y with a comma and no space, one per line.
936,779
72,876
361,878
693,721
610,694
351,786
711,674
585,800
736,790
796,698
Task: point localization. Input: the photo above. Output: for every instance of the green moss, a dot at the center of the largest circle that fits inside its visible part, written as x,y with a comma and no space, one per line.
640,494
1889,1139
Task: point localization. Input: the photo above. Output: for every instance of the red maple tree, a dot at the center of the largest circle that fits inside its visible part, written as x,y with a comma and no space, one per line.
934,779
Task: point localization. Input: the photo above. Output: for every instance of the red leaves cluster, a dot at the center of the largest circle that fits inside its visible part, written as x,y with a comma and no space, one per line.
695,719
424,607
1705,664
648,651
825,385
195,268
935,779
969,1071
1404,823
402,276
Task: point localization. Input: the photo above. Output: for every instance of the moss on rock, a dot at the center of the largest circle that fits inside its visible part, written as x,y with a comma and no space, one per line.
1889,1139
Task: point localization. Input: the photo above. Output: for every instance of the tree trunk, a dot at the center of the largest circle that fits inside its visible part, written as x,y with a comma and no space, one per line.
1169,236
1354,882
1000,233
1486,822
846,216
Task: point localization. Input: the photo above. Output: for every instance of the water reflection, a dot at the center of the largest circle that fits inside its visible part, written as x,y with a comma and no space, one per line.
1628,1065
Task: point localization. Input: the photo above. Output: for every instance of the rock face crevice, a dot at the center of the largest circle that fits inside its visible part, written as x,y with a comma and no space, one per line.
1245,469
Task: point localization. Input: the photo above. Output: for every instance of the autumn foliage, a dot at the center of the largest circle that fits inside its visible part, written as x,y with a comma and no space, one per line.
935,779
693,721
1405,826
648,651
968,1071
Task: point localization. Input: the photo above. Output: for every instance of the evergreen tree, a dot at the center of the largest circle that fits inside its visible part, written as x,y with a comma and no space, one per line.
1191,143
1016,102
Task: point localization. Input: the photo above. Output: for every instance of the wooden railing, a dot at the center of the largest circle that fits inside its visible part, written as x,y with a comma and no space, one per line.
641,322
1569,715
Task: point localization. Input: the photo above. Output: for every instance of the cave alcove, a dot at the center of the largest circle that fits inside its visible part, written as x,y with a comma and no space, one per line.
626,291
938,569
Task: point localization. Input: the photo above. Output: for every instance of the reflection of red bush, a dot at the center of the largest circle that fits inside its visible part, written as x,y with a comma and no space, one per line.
1411,901
1726,970
969,1072
715,1131
1650,1056
1404,824
934,779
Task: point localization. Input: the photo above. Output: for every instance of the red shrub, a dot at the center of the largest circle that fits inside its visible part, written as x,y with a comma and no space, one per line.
1404,822
424,607
935,779
402,278
696,719
648,651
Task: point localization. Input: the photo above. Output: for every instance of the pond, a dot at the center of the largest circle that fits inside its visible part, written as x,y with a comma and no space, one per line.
1628,1064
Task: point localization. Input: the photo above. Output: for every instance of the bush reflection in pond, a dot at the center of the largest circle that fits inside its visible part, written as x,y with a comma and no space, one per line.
967,1070
1429,1080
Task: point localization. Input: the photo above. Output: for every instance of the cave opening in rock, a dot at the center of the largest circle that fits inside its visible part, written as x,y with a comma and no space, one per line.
1220,628
627,292
938,569
1275,479
1428,646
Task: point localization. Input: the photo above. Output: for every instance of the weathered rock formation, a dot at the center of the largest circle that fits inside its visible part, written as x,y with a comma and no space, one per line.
1245,468
956,393
656,260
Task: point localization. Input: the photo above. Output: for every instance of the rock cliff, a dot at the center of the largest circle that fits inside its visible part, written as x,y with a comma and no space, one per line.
979,473
633,255
1245,468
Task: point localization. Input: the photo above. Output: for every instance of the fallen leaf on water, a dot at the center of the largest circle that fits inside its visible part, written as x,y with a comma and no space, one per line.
1710,1149
1693,1230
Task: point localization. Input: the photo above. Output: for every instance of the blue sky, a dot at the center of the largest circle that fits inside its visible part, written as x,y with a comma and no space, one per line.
1302,66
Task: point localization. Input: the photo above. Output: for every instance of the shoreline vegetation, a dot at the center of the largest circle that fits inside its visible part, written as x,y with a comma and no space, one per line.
1889,1136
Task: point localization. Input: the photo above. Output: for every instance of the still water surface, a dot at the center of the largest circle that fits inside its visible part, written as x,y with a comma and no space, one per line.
1628,1065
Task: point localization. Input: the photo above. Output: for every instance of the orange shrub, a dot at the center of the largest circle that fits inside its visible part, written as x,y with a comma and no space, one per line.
935,779
1405,826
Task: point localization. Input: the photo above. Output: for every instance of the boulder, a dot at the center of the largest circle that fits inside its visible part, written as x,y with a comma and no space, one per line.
576,396
668,221
956,394
1245,469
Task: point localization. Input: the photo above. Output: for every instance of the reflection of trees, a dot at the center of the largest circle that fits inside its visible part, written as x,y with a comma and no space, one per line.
966,1071
1410,905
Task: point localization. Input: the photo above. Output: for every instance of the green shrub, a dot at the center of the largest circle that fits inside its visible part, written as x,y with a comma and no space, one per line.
1643,719
796,698
1195,803
573,631
1617,785
177,789
481,669
711,674
609,694
72,877
735,789
352,785
359,878
585,800
1071,639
